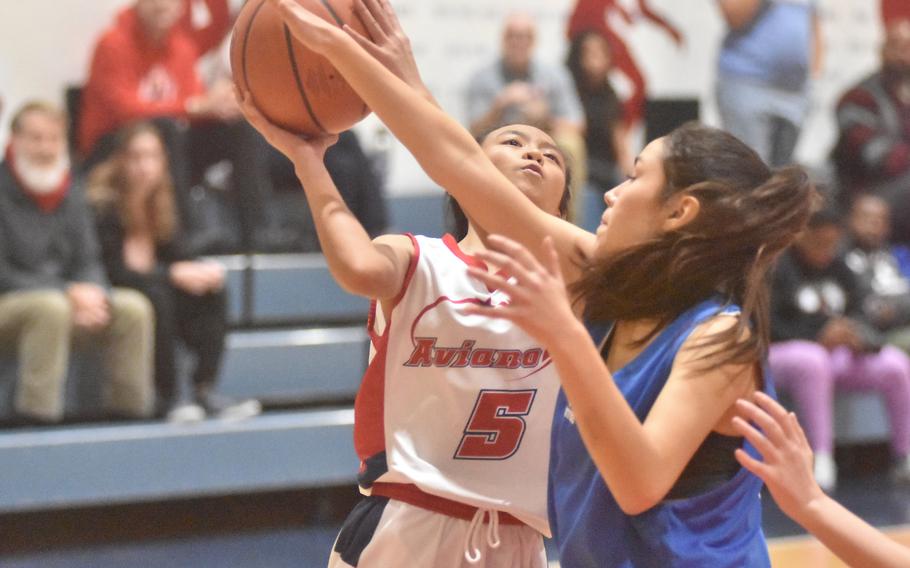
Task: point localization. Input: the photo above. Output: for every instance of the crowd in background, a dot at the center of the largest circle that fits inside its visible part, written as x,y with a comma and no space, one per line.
105,234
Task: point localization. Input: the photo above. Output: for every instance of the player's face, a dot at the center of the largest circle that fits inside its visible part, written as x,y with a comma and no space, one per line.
635,208
144,164
531,161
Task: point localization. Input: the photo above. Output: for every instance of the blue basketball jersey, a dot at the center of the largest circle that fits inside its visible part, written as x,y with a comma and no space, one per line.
721,527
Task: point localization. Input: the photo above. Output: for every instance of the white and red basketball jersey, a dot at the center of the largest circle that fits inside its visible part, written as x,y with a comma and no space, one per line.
460,406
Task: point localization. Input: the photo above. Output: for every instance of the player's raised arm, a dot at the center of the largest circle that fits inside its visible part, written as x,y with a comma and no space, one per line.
374,269
444,149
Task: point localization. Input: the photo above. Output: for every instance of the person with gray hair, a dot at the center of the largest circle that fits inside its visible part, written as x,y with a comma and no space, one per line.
517,88
52,285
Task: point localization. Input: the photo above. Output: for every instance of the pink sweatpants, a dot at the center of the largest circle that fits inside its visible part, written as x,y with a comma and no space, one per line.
811,373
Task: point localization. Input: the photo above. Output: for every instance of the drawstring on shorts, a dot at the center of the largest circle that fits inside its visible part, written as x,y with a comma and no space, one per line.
471,550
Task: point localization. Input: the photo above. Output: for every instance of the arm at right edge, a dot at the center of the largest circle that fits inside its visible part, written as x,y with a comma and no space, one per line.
852,539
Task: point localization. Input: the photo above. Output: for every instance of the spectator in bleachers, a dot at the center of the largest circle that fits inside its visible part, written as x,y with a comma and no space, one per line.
517,89
872,154
605,129
763,73
869,255
143,249
144,67
52,283
822,341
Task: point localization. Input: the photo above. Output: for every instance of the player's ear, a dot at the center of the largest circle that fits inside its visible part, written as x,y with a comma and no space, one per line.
680,211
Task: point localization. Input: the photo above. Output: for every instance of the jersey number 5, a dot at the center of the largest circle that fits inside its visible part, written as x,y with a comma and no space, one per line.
496,426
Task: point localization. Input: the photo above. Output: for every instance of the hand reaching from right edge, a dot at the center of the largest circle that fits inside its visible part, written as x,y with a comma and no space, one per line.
786,468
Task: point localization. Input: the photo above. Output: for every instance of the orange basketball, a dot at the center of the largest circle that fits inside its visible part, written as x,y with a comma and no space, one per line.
292,86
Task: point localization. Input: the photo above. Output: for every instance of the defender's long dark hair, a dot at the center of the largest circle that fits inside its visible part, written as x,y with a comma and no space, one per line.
748,215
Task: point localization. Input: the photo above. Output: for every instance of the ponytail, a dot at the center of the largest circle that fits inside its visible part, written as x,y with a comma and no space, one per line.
748,216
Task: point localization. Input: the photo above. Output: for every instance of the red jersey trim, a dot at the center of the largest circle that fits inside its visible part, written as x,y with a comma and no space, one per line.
450,242
410,273
412,495
369,406
374,304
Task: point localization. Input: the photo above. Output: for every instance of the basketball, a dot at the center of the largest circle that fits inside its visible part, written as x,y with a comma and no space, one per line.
292,86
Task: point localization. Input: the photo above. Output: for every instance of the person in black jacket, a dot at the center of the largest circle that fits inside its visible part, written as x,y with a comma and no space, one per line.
821,340
140,239
870,255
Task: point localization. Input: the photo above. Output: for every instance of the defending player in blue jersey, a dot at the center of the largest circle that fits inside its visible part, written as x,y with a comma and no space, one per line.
642,468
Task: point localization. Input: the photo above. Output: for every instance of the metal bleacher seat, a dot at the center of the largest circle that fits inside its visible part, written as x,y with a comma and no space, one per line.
293,366
298,288
54,468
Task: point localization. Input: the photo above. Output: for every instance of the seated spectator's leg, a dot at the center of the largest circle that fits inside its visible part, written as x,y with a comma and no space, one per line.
887,373
202,321
742,109
162,296
203,326
39,325
127,342
803,368
239,143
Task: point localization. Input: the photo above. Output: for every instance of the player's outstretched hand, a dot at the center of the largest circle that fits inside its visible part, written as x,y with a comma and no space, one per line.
297,148
538,302
387,42
786,467
306,27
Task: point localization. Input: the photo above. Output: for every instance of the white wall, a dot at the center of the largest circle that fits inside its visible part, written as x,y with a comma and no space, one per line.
45,45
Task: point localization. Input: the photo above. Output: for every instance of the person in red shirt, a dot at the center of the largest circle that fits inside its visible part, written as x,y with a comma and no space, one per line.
144,68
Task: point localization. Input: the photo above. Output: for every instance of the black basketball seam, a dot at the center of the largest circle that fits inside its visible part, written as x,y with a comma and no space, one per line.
341,24
299,81
246,42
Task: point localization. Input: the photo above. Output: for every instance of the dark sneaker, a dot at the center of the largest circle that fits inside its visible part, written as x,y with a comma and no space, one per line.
227,408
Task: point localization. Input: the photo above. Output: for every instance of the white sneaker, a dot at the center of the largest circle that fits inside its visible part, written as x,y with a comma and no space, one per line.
226,408
825,471
185,412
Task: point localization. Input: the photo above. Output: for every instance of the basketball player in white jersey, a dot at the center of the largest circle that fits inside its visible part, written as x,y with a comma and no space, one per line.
452,420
